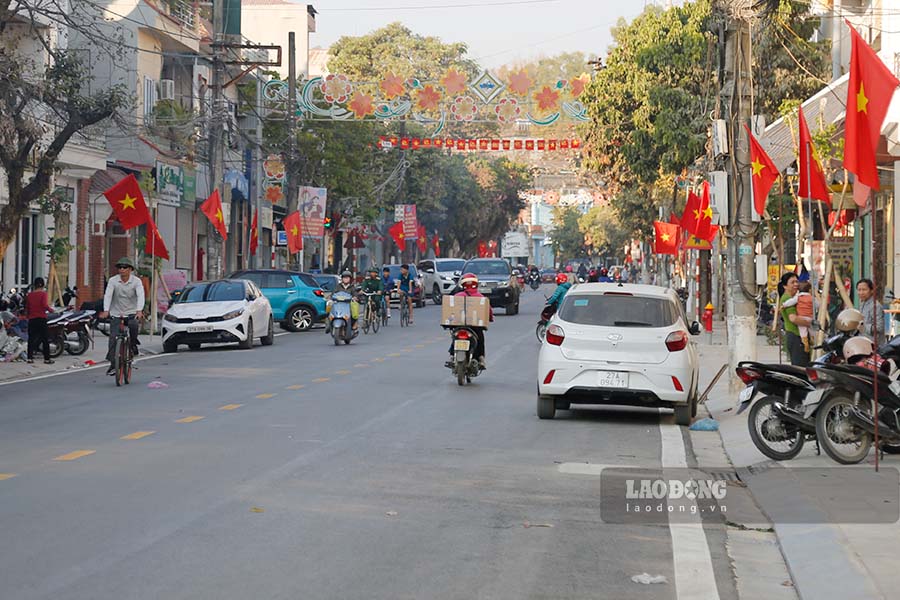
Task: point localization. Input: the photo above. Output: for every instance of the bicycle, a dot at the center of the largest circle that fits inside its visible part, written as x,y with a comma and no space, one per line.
371,318
384,306
404,310
123,355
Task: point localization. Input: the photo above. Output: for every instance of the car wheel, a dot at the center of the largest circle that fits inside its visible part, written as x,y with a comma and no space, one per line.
194,346
170,347
683,414
269,338
300,318
247,343
436,295
546,407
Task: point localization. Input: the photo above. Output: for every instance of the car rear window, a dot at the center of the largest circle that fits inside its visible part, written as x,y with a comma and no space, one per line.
216,291
488,267
445,266
611,310
278,281
309,280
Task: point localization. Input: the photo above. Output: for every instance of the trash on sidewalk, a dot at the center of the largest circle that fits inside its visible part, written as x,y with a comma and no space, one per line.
647,578
706,424
157,385
89,363
256,509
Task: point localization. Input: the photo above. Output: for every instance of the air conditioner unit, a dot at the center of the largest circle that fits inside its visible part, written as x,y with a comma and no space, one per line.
166,89
99,228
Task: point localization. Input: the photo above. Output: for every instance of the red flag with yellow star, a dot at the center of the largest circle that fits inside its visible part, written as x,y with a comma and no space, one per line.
869,94
294,232
254,234
212,208
697,217
155,246
666,240
812,178
764,173
396,232
127,203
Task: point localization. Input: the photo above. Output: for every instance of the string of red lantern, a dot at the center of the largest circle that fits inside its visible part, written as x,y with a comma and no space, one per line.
387,143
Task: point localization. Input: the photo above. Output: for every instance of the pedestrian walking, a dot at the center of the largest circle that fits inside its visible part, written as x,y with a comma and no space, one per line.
790,287
36,310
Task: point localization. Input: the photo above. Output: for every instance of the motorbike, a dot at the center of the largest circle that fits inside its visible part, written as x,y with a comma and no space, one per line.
784,417
845,422
464,364
546,314
534,280
75,336
339,318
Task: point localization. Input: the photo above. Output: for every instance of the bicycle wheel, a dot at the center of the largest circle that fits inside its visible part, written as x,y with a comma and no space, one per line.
367,319
404,313
376,318
129,359
119,357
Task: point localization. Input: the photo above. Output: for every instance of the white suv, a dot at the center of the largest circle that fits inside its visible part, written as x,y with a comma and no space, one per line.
439,275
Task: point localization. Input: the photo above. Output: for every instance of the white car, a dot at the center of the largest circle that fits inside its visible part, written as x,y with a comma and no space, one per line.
619,344
216,312
439,276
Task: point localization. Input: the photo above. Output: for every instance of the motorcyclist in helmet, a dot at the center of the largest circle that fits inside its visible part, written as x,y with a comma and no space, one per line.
469,284
562,287
372,285
346,285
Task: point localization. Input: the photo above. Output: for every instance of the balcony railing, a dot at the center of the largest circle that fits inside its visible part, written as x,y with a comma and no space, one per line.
180,11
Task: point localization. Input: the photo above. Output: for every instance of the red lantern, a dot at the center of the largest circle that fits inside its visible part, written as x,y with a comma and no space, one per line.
473,144
394,142
576,144
482,144
517,144
551,144
426,143
564,144
541,145
495,144
449,143
416,143
460,144
438,143
529,144
404,144
506,144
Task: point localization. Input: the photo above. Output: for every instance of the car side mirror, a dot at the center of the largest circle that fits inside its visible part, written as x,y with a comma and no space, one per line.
429,271
694,328
250,297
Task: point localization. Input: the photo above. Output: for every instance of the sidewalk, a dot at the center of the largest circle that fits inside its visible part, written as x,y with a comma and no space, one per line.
19,369
827,560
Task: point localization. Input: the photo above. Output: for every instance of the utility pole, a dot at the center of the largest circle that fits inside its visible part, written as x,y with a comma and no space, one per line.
216,139
290,189
737,102
256,260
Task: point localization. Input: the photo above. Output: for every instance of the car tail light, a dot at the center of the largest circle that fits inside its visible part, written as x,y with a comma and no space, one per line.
319,293
747,375
549,376
462,334
677,384
676,341
555,335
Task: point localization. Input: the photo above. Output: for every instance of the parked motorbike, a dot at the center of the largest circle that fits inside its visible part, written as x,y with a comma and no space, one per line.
76,332
784,417
339,318
845,422
464,364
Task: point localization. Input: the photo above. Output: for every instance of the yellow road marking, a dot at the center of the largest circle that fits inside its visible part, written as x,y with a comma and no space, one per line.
378,359
264,396
299,386
343,372
230,406
137,435
394,354
360,366
321,380
75,455
189,419
420,345
4,476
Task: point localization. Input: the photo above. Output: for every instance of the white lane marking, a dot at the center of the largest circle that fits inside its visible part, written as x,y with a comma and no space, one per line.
694,575
571,468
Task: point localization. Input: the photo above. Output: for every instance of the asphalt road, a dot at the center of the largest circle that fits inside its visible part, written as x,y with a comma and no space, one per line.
305,470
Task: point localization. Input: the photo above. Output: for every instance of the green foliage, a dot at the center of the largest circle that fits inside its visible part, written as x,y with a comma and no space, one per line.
567,238
603,231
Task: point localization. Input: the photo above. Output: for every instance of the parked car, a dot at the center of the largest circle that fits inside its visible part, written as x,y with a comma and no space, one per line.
215,312
548,275
496,281
626,345
298,302
418,294
327,282
439,275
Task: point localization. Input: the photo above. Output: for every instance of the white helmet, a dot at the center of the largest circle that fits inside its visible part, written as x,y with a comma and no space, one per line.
858,347
848,320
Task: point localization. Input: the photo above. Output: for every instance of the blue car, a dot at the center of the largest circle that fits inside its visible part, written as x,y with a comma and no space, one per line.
297,300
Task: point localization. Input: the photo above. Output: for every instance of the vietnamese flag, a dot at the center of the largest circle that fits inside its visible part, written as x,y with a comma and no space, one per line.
482,249
292,228
127,203
396,232
764,173
869,94
666,238
436,245
212,208
422,239
697,217
155,246
254,234
812,179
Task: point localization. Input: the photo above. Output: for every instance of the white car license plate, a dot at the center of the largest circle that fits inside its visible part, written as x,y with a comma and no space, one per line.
612,379
461,345
199,328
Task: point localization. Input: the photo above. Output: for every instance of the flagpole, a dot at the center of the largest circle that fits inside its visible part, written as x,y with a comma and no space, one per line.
809,221
875,318
153,319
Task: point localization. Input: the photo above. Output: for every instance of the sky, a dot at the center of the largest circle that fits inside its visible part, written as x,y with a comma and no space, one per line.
497,32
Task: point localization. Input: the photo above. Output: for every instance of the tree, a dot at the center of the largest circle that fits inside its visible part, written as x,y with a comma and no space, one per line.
567,239
43,103
603,231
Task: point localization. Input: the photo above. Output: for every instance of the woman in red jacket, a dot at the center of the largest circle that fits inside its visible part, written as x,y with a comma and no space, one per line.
36,309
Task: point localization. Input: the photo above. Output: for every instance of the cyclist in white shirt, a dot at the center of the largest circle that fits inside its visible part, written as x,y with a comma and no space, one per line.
124,298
